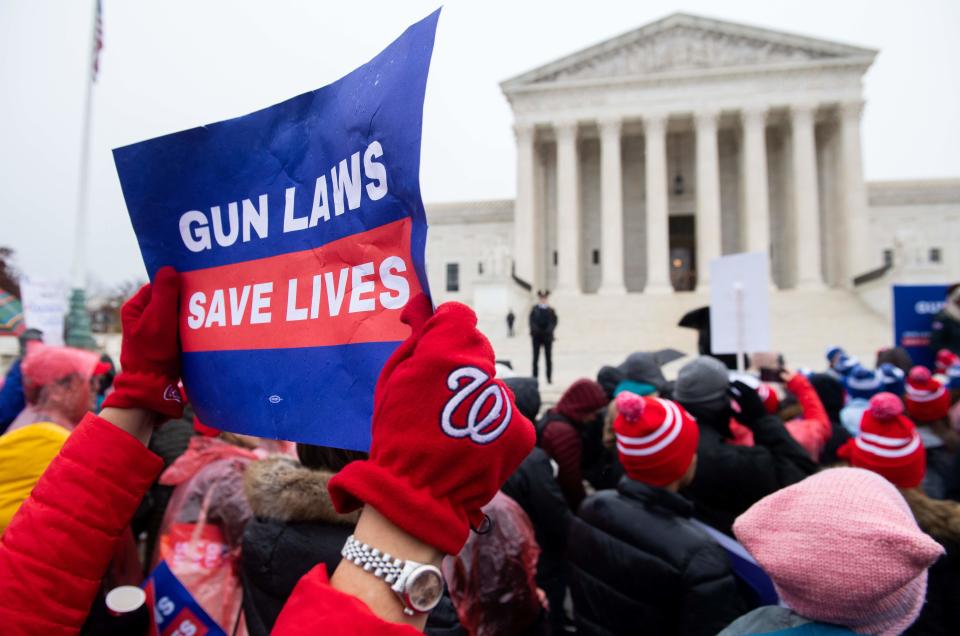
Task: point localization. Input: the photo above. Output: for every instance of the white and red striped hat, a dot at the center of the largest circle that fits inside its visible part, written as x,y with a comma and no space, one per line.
656,438
926,398
888,443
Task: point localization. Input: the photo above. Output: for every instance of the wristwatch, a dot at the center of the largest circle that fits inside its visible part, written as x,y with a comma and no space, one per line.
419,586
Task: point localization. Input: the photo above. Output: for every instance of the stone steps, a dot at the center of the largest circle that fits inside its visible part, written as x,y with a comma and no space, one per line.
595,330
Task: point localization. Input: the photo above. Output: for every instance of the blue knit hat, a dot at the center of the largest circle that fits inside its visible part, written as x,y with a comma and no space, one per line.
893,378
832,352
845,364
863,383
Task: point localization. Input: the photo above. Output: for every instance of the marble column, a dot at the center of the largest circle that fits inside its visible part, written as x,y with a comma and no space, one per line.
806,208
658,230
858,259
568,208
708,195
611,203
524,216
756,201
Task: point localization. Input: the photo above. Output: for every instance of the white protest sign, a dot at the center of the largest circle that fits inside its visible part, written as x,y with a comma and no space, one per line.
44,307
740,303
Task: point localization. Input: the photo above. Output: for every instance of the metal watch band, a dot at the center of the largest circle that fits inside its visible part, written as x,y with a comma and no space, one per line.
380,564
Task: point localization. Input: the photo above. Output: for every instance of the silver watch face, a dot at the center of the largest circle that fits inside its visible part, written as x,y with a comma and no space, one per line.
423,588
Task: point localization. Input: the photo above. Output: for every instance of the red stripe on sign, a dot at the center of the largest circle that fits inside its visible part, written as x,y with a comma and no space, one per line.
348,291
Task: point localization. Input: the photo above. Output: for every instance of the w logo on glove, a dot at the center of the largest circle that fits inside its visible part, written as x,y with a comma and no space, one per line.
495,419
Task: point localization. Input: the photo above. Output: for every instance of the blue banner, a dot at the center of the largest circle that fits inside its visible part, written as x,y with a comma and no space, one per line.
175,611
300,233
914,307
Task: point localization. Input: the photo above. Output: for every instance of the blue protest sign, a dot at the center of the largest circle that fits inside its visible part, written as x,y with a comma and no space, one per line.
914,307
299,232
175,611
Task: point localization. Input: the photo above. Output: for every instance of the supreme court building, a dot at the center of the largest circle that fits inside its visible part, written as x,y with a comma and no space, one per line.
642,158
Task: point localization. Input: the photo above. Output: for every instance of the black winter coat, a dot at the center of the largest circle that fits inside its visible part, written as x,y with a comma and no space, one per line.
730,479
542,322
294,528
945,333
534,487
639,566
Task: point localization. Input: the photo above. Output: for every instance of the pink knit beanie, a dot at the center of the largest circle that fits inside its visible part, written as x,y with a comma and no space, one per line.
842,547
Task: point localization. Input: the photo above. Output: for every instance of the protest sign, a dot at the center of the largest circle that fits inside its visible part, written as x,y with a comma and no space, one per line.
740,303
914,307
300,233
175,611
44,306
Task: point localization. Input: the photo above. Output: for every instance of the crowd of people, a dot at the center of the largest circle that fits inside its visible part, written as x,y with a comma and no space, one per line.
814,502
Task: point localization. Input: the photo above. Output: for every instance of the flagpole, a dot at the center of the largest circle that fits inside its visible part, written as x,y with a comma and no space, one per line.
78,320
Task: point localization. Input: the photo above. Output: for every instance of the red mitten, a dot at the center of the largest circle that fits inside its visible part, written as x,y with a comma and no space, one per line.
446,434
150,352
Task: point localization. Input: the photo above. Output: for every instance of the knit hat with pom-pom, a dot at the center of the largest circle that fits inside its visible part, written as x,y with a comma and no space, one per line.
656,438
927,400
888,443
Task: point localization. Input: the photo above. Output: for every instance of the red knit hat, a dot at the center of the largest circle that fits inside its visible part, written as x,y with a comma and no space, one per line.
927,400
888,443
945,360
656,438
582,399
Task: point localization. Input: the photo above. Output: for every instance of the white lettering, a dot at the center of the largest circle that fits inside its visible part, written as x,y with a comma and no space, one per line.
195,319
237,308
218,312
261,302
294,312
375,171
320,209
194,231
225,240
292,223
315,297
335,300
394,283
346,181
361,286
256,219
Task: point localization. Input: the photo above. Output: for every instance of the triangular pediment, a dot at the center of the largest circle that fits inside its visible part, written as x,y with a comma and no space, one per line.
684,42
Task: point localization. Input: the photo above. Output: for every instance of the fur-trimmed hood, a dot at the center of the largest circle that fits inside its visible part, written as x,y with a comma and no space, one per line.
938,518
280,488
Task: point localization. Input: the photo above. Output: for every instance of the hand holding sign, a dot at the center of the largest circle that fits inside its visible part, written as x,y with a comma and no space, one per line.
446,433
299,235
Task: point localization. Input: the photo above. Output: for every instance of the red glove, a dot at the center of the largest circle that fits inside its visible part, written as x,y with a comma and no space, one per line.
446,434
150,352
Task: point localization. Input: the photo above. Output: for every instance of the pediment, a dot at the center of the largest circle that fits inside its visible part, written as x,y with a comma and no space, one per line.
687,43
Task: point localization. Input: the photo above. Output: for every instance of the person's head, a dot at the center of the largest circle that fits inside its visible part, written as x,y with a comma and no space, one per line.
842,548
609,378
543,296
944,360
582,400
888,444
953,295
862,383
893,378
526,393
834,354
927,400
326,458
59,381
897,356
830,392
844,365
656,441
644,368
702,385
28,336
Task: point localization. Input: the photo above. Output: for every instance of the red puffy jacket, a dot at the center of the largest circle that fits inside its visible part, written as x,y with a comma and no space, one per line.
58,545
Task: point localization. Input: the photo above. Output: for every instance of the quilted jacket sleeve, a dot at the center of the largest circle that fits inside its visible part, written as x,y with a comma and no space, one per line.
58,545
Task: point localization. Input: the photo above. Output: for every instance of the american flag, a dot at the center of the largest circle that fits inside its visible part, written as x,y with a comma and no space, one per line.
97,39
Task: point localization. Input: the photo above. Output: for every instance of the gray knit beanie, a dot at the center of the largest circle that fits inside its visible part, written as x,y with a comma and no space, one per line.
702,381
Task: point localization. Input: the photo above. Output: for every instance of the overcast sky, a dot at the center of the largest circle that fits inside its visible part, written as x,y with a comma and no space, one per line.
173,64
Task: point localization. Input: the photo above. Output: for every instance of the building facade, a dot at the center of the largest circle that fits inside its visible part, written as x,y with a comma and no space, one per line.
642,158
